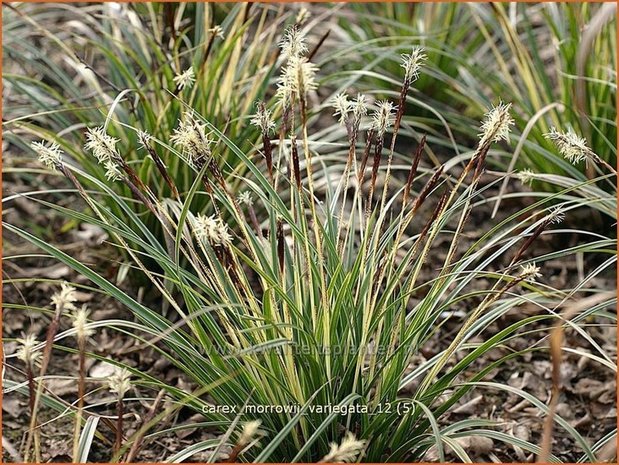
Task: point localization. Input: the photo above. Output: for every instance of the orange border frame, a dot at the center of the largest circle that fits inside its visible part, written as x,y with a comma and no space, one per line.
269,1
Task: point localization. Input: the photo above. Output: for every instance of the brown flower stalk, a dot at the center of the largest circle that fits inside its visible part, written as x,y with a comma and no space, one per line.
555,216
148,418
295,162
382,120
215,32
138,195
82,333
145,141
412,64
427,188
350,115
245,199
119,383
280,244
413,170
63,300
366,154
378,150
118,440
248,435
324,37
30,357
133,176
435,213
263,120
217,174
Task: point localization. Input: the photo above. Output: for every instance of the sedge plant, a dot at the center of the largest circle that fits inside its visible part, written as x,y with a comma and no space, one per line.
302,305
141,60
555,62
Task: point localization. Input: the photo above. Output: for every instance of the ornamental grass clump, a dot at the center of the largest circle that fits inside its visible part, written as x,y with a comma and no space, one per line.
140,59
555,62
308,306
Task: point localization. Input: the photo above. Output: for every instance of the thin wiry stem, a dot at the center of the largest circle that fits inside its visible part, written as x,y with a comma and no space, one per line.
81,392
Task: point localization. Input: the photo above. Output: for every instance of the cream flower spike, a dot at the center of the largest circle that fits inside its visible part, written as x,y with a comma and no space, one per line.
191,137
573,148
293,43
112,172
526,176
302,16
496,125
530,272
245,198
342,107
101,144
26,351
120,382
412,63
347,451
556,215
217,31
65,297
49,154
212,230
185,79
298,77
383,117
250,430
80,320
360,106
144,138
263,119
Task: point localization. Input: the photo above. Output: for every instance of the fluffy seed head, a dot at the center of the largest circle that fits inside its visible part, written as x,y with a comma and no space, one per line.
293,43
191,137
359,107
263,119
245,198
80,322
112,172
412,63
120,382
249,432
526,176
302,16
185,79
573,148
556,215
49,154
496,124
144,138
383,117
347,451
530,272
26,351
217,31
298,77
101,144
342,107
65,297
213,230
